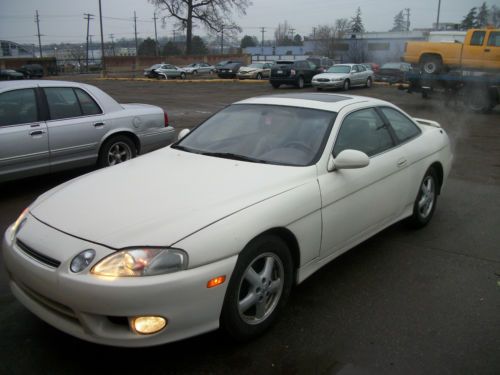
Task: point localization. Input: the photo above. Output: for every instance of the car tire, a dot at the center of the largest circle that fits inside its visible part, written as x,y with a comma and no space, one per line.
319,89
300,82
115,150
347,85
425,203
258,76
431,64
183,75
195,72
368,83
275,85
258,289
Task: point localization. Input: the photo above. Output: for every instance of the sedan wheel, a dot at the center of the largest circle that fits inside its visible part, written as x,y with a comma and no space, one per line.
347,85
300,83
369,83
425,203
259,288
116,150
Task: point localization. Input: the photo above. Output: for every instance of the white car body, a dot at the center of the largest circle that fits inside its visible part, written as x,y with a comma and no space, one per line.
357,76
48,142
222,204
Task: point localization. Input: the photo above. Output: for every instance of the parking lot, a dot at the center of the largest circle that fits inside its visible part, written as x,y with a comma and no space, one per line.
404,302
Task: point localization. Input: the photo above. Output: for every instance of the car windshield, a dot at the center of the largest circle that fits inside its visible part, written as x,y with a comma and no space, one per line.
262,134
191,65
155,66
391,66
339,69
256,66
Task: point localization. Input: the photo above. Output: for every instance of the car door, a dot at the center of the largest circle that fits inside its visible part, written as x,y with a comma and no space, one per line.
24,145
76,126
357,203
492,51
472,54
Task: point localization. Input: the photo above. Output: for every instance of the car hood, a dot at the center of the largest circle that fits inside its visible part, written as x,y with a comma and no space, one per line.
162,197
248,70
332,75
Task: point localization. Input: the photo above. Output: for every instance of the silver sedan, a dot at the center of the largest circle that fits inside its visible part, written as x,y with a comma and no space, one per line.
47,126
343,76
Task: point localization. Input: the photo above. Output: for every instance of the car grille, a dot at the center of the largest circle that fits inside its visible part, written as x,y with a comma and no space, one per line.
323,80
51,262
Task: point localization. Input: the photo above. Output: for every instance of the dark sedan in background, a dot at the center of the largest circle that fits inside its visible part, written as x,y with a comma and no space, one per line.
393,72
9,74
297,73
229,70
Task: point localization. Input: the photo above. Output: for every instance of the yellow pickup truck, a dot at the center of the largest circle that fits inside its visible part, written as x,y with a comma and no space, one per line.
479,51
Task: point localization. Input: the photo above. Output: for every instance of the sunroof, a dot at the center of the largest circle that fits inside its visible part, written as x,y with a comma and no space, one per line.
329,98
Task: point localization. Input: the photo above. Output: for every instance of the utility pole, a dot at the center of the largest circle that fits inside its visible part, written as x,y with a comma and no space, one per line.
407,10
91,49
222,40
135,33
262,30
157,49
88,17
112,37
37,20
439,10
103,61
291,33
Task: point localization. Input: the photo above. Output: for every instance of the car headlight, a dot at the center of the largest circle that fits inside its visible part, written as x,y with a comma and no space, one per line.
19,223
141,262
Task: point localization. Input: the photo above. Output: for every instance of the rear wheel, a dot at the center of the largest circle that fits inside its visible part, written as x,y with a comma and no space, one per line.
183,75
116,150
426,200
275,85
300,82
195,72
259,76
259,288
431,64
369,82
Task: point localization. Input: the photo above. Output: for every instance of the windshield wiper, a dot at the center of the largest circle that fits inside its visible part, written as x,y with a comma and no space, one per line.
229,155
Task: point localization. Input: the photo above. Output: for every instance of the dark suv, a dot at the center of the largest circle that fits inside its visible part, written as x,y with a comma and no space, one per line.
298,73
230,69
323,63
31,70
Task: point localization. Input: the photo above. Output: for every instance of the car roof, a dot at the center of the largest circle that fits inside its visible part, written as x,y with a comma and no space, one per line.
323,101
21,84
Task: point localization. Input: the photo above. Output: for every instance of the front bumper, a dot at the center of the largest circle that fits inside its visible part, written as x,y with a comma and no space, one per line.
327,85
98,309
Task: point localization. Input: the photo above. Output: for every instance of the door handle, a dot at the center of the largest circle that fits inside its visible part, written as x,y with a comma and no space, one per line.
37,132
402,162
98,124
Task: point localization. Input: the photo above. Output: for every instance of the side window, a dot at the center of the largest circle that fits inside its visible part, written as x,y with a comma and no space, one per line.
364,131
89,106
477,38
18,107
402,125
494,39
62,102
361,68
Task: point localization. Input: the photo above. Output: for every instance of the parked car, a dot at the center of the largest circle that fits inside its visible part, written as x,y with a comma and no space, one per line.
256,70
220,64
298,73
47,126
170,71
31,70
199,68
229,70
372,66
151,71
344,76
393,72
9,74
300,179
321,62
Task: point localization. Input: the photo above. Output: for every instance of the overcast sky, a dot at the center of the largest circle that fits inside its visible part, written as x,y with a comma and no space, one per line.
62,20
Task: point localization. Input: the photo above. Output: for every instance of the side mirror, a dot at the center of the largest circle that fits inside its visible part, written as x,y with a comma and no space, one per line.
182,134
348,159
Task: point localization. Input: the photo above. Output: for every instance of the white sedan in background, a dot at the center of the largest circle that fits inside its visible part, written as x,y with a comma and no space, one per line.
48,126
343,76
217,228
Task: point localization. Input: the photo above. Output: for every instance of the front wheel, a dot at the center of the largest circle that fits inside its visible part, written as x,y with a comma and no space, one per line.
116,150
300,82
259,76
431,64
368,83
426,200
183,75
259,288
346,85
275,85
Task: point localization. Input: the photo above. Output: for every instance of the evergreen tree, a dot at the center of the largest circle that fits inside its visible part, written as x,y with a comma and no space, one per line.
356,24
147,48
171,49
248,41
198,46
469,21
297,40
482,16
399,22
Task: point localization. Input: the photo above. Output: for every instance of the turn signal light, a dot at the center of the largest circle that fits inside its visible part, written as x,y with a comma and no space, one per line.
216,281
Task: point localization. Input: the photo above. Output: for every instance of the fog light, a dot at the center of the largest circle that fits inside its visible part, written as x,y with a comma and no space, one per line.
147,325
82,260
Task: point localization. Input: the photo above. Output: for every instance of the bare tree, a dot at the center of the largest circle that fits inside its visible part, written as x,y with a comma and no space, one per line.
282,34
327,37
215,15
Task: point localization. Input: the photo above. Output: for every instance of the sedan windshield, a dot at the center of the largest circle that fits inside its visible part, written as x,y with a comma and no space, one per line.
339,69
256,66
263,134
391,66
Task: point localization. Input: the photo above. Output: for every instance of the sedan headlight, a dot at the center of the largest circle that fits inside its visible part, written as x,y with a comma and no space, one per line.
141,262
19,223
